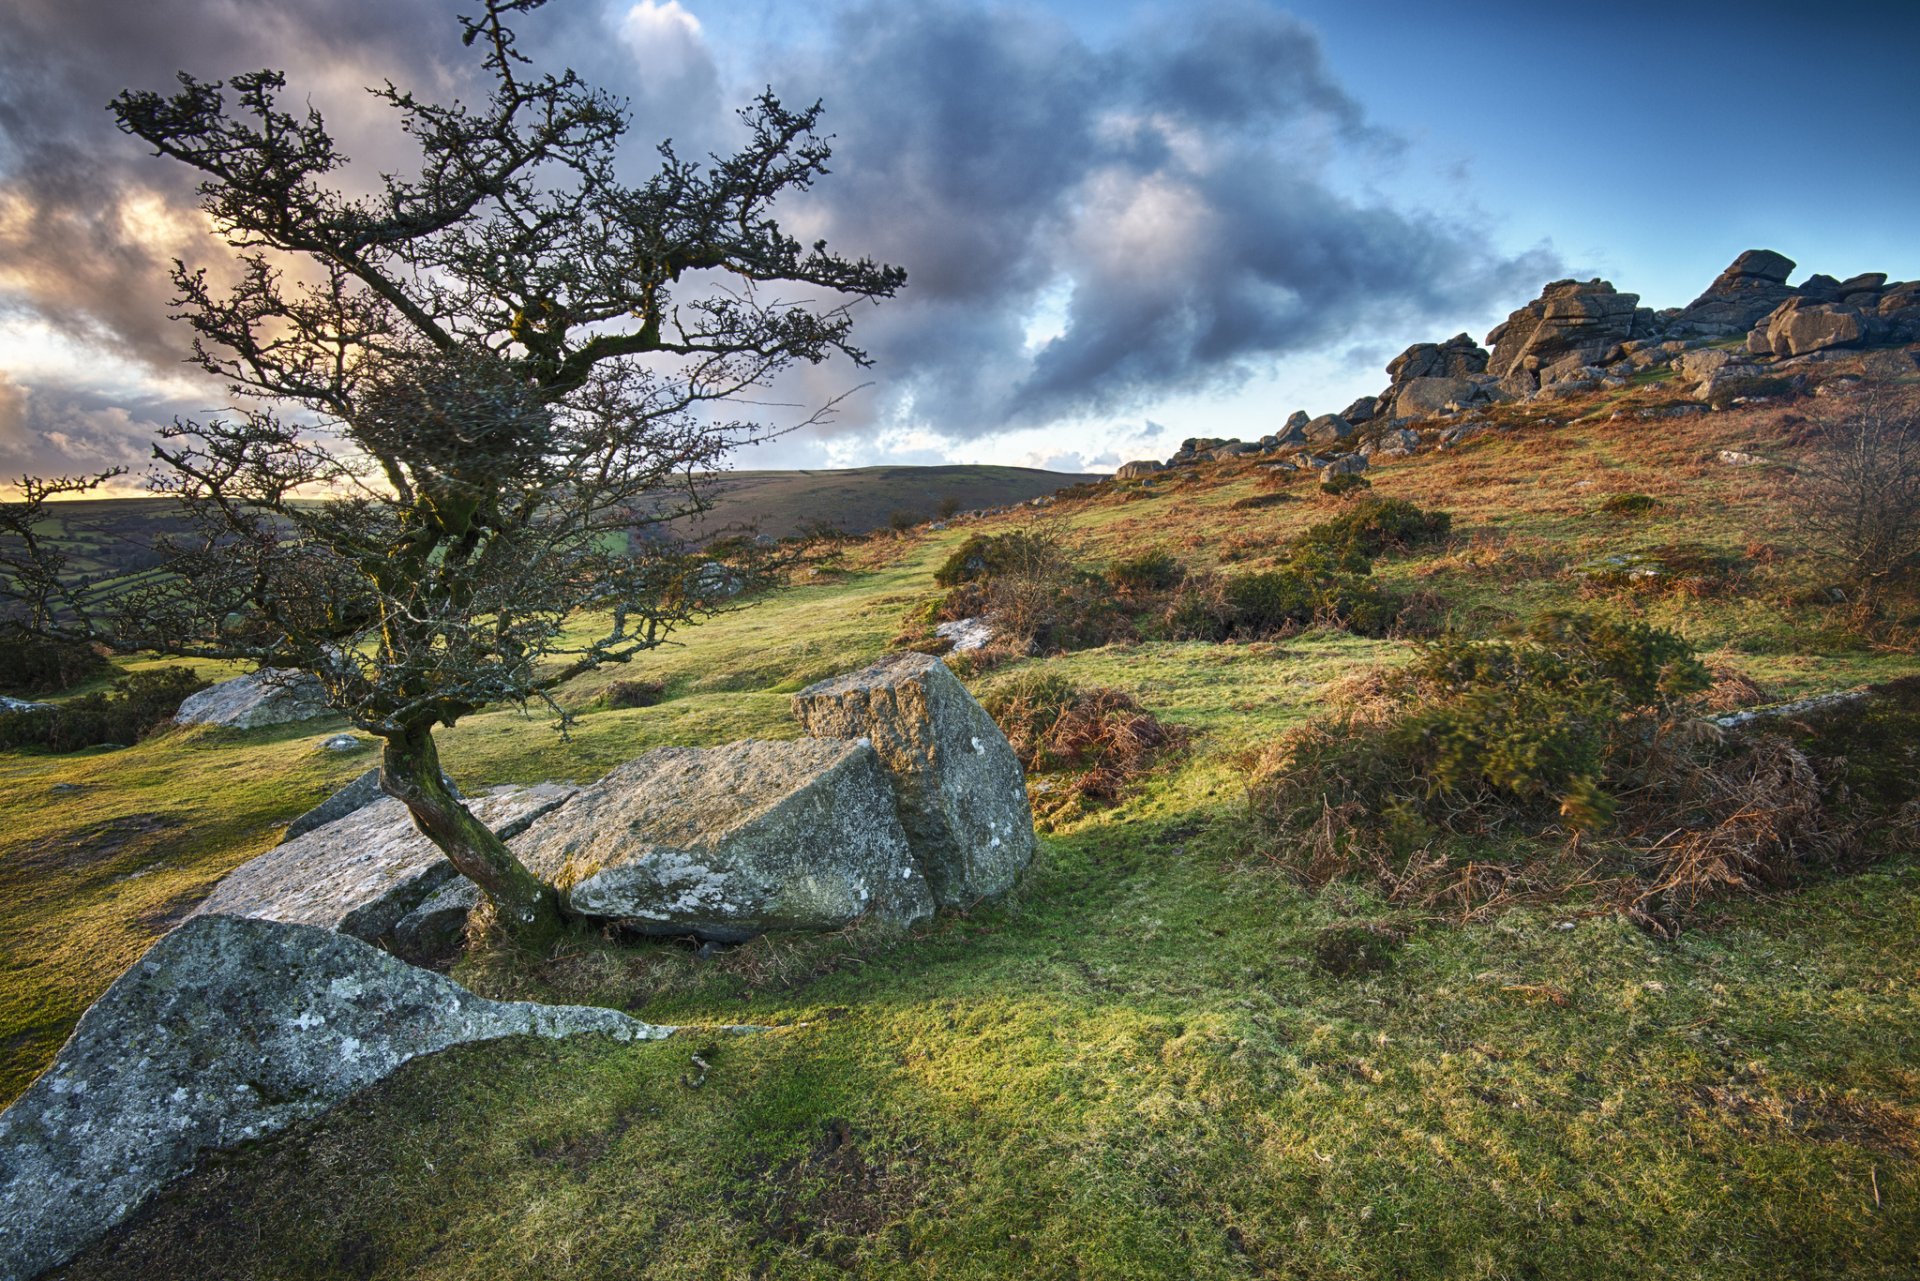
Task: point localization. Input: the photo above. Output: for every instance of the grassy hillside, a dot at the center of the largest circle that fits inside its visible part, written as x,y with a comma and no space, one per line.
862,499
1142,1063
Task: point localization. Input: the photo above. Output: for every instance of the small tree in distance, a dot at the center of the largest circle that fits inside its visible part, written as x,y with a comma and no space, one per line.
1857,493
453,394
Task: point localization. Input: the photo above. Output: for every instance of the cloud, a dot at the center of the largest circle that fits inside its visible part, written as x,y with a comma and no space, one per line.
1090,228
1176,193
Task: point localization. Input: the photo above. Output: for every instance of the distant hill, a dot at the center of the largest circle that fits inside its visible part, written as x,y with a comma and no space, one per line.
861,499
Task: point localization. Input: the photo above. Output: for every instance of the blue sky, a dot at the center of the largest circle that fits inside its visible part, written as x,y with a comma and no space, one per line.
1123,225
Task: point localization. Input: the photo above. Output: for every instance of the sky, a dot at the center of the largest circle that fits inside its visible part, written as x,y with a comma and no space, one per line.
1122,225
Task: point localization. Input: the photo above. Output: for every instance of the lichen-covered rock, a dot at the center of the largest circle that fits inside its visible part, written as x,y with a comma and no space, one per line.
270,696
1136,469
225,1031
730,842
1458,357
362,873
962,793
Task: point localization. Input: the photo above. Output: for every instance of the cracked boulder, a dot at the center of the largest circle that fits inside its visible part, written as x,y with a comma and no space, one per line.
962,793
225,1031
363,873
729,842
270,696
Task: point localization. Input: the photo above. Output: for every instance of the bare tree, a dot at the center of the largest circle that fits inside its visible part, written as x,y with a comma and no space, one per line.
455,395
1857,494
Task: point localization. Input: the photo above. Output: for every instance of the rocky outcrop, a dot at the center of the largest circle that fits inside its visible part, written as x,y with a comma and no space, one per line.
729,842
271,696
962,794
1572,324
1362,410
1798,327
362,873
225,1031
1138,469
1326,430
1751,286
1431,397
1458,357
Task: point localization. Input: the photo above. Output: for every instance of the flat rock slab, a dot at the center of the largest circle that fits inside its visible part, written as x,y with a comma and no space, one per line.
271,696
730,842
360,793
362,873
225,1031
961,791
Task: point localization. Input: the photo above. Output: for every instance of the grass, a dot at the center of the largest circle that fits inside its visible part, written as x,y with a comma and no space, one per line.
1132,1067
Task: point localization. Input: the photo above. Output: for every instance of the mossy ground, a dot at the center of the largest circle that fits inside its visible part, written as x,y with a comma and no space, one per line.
1132,1067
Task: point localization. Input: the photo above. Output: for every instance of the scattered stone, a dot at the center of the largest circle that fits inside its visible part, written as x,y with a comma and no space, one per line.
227,1030
1137,469
1351,465
966,633
1395,443
270,696
729,842
962,793
342,743
362,873
1737,458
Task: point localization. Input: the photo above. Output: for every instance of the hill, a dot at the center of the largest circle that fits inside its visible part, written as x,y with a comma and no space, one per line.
1147,1062
859,500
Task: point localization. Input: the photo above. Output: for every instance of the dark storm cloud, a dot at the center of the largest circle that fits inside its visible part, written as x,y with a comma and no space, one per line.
1174,191
1087,228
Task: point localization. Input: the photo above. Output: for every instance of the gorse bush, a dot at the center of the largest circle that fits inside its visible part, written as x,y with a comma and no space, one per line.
1147,572
32,665
984,557
137,705
1578,725
1371,527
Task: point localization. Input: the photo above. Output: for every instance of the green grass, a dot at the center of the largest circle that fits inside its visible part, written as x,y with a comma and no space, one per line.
1131,1067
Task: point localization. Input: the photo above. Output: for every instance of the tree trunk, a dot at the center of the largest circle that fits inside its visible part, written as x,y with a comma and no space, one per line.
410,772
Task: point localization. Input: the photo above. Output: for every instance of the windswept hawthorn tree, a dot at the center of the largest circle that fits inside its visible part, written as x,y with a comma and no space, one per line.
456,392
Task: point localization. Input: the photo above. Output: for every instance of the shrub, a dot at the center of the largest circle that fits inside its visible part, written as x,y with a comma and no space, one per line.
1345,483
1198,611
33,665
1149,571
901,520
1103,733
1373,526
1629,504
634,693
138,705
1857,494
983,557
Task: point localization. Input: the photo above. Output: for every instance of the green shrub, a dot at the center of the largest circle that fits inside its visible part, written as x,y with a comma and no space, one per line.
1149,571
33,665
1548,724
983,557
137,705
1372,526
1629,504
1345,483
627,694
